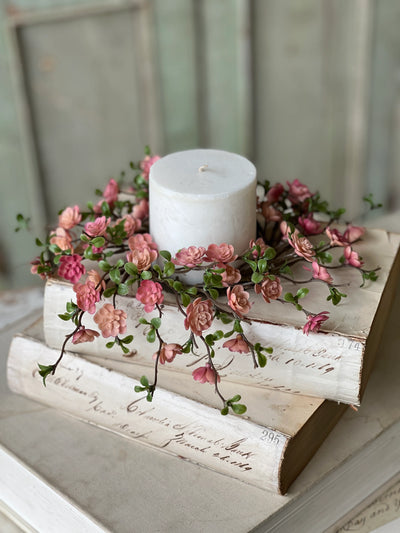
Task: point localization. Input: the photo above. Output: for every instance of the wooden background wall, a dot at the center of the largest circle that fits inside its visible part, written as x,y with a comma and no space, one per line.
307,89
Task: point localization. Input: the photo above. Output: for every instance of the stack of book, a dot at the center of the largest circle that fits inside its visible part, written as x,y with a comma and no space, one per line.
292,403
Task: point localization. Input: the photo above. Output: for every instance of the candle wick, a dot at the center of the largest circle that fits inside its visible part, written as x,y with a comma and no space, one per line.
203,168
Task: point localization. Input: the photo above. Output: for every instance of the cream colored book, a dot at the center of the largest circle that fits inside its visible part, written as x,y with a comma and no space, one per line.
268,448
333,364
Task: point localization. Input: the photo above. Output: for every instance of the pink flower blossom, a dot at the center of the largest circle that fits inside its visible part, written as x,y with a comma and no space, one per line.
270,213
353,233
71,268
140,241
111,321
224,253
199,316
205,374
230,276
35,265
84,335
275,192
314,322
95,277
142,258
190,257
69,218
302,246
150,294
62,239
168,353
238,300
320,272
86,296
146,165
98,227
270,289
111,191
237,345
131,224
259,242
335,237
309,225
352,258
141,210
298,192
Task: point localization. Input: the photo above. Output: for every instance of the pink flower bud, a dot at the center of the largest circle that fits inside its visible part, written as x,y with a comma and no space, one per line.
205,374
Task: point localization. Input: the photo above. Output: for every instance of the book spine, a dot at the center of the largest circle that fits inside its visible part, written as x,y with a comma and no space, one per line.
171,423
321,365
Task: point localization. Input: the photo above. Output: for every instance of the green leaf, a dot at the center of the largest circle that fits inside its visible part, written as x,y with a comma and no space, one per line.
270,253
302,292
149,397
235,399
71,307
38,242
65,316
169,269
98,242
151,336
155,322
128,339
209,339
130,268
123,289
144,381
115,276
289,297
166,255
256,277
45,370
213,293
262,360
147,150
124,349
139,389
109,292
253,264
177,286
143,321
192,291
185,299
146,274
262,265
238,408
218,334
237,327
105,267
224,411
110,344
54,249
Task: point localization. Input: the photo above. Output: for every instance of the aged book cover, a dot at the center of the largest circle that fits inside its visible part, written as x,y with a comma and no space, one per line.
268,448
333,364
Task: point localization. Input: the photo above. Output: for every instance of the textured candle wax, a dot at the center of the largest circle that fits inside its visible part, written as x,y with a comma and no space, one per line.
202,197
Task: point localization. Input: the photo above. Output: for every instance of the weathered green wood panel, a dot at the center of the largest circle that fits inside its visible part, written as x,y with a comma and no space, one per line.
177,63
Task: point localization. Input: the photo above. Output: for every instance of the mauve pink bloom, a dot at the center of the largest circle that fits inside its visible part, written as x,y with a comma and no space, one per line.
284,227
320,272
259,242
111,321
275,192
141,210
238,300
352,258
302,246
205,374
86,296
237,345
131,224
168,353
70,217
353,233
270,213
95,277
98,227
224,253
111,191
150,294
298,192
336,238
189,257
199,316
230,276
269,289
62,239
147,163
71,268
140,241
34,268
84,335
142,258
309,225
314,322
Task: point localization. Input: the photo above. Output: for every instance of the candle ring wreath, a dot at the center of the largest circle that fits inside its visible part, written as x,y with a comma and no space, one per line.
294,227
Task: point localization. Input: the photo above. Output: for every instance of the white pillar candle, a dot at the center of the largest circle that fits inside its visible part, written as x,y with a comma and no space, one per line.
202,197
